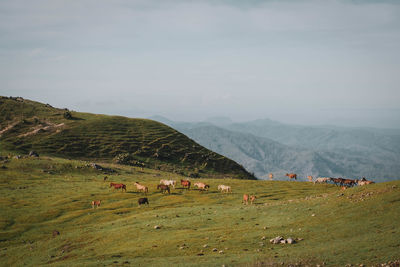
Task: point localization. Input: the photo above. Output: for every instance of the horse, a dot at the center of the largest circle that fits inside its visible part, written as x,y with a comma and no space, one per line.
225,188
168,182
291,176
309,178
140,187
202,186
271,176
185,183
143,200
337,181
118,186
96,203
322,180
164,188
245,199
348,182
361,182
252,198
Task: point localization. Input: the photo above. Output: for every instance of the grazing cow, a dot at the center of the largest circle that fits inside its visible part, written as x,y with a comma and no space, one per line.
185,183
245,199
143,200
252,198
96,203
118,186
225,188
168,182
291,176
271,176
140,187
322,180
310,178
202,186
343,188
164,188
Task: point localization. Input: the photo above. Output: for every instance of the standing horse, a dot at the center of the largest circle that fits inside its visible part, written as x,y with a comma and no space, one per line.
225,188
252,199
185,183
168,182
202,186
349,182
143,200
141,187
96,203
322,180
164,188
118,186
291,176
245,199
337,181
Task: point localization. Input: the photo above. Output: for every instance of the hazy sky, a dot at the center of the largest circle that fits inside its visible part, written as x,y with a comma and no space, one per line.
325,62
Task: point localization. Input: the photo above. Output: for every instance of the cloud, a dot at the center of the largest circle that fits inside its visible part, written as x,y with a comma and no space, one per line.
236,54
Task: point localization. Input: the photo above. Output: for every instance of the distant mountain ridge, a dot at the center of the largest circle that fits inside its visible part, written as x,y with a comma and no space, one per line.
265,146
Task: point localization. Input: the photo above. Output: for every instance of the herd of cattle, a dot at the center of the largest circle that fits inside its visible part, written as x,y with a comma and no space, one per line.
166,185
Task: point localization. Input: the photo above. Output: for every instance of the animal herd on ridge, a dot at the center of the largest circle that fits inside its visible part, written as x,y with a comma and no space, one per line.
165,186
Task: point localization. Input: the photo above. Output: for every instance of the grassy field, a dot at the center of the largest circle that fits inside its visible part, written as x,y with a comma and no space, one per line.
39,195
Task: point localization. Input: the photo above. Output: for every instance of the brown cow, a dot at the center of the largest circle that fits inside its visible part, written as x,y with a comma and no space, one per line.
271,176
309,178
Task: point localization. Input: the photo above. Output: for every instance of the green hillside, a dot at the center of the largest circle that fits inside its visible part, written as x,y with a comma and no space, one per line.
332,227
27,125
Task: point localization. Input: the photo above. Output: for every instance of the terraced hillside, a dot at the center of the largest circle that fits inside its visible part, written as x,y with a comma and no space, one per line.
331,227
27,125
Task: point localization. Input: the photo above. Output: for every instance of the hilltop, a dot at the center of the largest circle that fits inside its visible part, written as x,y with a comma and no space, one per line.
28,125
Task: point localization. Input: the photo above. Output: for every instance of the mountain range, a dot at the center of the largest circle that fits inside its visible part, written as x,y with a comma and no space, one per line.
266,146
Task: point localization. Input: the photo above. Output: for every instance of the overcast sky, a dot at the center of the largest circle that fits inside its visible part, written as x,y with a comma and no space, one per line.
309,62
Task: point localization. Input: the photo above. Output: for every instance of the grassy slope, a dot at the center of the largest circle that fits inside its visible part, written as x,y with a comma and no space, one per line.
359,227
91,136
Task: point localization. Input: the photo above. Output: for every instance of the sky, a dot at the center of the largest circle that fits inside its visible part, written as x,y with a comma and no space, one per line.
305,62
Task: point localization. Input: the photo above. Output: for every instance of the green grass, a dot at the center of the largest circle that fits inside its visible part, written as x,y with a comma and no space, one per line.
360,226
27,125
